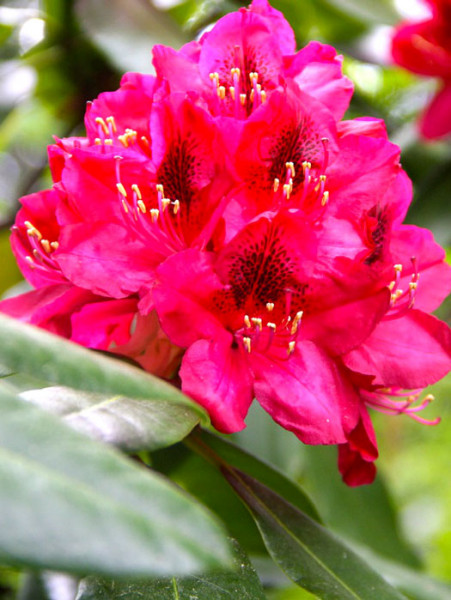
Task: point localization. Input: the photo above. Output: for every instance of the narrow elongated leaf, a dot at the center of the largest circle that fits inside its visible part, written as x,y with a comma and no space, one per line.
53,359
241,583
71,504
313,557
237,457
131,425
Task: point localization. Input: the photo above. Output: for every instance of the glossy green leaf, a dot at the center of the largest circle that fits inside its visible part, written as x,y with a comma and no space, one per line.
72,504
242,584
235,456
53,359
309,554
131,425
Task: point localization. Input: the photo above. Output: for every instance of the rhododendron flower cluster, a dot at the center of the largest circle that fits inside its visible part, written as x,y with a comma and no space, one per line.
424,48
222,225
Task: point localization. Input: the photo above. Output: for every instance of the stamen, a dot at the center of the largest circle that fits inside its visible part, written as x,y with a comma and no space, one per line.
243,99
247,321
176,206
291,347
290,170
263,96
296,321
141,206
121,189
325,198
154,214
221,92
276,184
257,322
270,306
136,189
46,245
101,123
54,245
112,125
247,343
232,92
32,231
108,142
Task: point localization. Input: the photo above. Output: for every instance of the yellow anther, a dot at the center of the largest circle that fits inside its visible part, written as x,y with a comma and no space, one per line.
221,92
232,92
263,96
108,142
46,245
32,231
271,326
287,189
112,122
235,71
215,77
276,184
325,198
413,285
247,321
102,124
252,96
97,141
165,203
429,398
154,214
54,245
160,189
176,207
269,306
124,205
144,140
306,165
397,268
121,189
291,347
30,261
391,285
322,178
123,140
247,343
290,166
136,189
141,206
296,321
257,322
35,253
243,99
253,77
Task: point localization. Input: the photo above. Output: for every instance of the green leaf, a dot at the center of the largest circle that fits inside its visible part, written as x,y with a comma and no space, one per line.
71,504
241,583
270,476
416,585
365,514
131,425
312,556
53,359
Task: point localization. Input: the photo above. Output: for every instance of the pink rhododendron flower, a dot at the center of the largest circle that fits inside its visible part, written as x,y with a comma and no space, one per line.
425,48
220,224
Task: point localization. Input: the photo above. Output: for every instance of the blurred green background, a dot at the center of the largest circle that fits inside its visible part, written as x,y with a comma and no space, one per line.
57,54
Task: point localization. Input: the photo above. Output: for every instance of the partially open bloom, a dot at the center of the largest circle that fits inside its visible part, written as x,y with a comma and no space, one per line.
221,223
425,48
